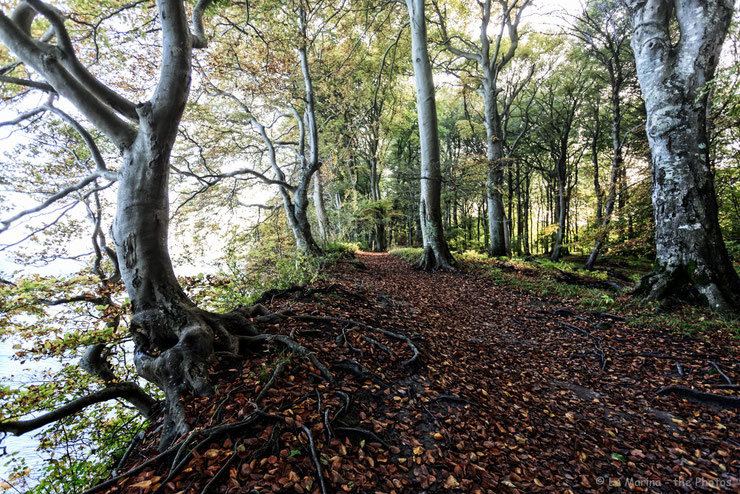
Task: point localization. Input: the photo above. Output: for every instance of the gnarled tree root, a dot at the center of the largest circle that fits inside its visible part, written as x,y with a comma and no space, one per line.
432,261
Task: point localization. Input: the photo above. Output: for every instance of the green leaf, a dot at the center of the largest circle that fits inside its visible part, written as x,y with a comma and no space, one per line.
618,457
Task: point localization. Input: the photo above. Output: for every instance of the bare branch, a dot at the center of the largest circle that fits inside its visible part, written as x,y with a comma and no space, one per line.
27,83
199,37
5,224
128,391
24,116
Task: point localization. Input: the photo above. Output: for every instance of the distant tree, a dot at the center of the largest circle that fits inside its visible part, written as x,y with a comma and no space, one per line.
674,69
492,56
603,30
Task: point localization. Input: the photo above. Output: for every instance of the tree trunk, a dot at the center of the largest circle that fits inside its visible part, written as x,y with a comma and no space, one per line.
691,258
561,213
436,252
319,205
616,83
297,212
495,177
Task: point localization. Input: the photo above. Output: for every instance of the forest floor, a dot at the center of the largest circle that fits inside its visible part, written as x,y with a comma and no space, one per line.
512,391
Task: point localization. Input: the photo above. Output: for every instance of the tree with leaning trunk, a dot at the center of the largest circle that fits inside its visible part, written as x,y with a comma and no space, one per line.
691,260
436,253
603,30
175,341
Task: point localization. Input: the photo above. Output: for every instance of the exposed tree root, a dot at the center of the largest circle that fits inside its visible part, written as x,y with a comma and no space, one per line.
431,261
701,398
315,458
719,371
292,345
213,483
269,384
574,279
208,435
234,335
390,334
675,286
361,432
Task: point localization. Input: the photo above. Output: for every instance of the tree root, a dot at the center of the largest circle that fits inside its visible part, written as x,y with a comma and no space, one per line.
211,485
377,344
292,345
430,261
597,342
208,435
315,458
456,399
132,445
390,334
702,398
719,371
360,372
362,432
573,279
263,392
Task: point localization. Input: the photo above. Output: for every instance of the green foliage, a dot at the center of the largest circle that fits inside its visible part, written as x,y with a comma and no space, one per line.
80,448
341,248
244,278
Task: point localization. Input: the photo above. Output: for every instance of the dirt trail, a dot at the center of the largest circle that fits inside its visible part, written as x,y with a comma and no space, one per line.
509,392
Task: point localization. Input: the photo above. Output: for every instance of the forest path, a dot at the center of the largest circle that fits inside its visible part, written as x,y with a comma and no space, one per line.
563,404
509,392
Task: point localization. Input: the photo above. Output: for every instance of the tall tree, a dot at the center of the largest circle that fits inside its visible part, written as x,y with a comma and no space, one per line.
673,69
436,253
175,341
603,29
492,55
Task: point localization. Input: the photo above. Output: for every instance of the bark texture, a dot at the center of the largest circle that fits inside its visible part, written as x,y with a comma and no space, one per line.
436,252
691,261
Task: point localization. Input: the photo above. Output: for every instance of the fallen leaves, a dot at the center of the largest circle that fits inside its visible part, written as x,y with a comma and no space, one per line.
505,398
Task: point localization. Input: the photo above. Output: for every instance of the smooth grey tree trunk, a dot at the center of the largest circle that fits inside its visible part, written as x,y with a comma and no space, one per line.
174,340
561,210
436,252
320,207
691,258
489,56
495,175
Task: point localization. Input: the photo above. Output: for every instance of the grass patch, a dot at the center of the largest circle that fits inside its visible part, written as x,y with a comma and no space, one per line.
342,248
409,254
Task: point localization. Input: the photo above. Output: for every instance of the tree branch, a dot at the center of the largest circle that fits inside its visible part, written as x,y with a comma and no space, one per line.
199,37
75,67
27,83
128,391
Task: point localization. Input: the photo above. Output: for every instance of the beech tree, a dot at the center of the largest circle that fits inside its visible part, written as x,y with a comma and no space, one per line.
492,55
175,341
691,258
603,28
436,253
